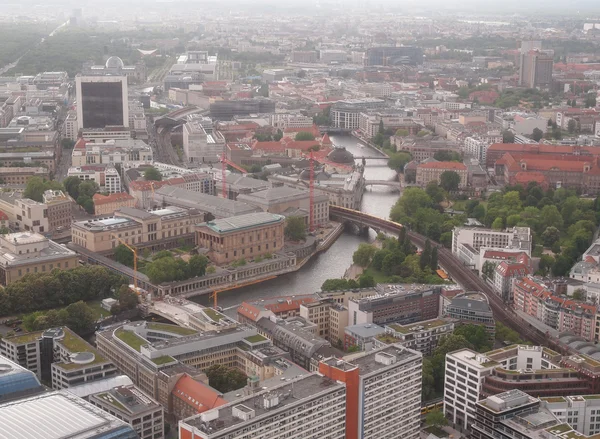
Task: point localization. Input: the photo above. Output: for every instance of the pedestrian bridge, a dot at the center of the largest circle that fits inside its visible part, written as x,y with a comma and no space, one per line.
389,183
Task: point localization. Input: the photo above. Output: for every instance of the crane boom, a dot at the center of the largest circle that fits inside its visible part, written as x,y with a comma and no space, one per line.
135,257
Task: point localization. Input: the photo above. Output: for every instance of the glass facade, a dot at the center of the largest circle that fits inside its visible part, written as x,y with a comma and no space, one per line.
102,104
18,384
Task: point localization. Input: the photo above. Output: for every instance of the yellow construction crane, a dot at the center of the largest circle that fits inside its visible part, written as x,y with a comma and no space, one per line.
135,257
215,293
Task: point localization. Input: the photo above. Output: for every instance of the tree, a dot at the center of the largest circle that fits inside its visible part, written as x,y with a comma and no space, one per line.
590,100
562,265
508,136
88,189
550,236
304,135
378,257
67,143
537,134
152,174
425,258
551,217
197,266
278,135
80,318
436,193
392,262
167,269
571,126
579,294
36,186
488,269
366,281
568,102
264,90
295,229
447,156
225,379
123,255
381,127
339,284
450,180
71,185
574,103
546,263
476,335
363,255
436,419
434,259
498,224
128,299
398,160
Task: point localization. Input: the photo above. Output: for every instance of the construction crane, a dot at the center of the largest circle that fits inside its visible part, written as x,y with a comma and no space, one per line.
214,295
311,218
135,257
224,163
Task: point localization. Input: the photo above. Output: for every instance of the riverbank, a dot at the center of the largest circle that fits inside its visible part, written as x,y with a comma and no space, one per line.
321,246
369,144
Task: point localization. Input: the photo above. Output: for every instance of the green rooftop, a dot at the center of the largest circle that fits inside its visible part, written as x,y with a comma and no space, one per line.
131,338
175,329
405,329
550,352
255,338
215,316
28,337
73,343
106,397
590,397
163,360
562,428
387,338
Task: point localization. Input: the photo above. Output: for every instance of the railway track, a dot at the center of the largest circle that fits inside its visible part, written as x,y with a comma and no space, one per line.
455,268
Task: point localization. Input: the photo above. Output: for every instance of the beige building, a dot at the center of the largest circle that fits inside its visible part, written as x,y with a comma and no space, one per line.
31,215
155,229
432,171
107,204
288,201
241,237
331,318
59,208
23,253
20,176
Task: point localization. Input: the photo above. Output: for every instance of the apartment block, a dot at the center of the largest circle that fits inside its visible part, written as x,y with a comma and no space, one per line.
331,318
423,336
394,303
383,392
59,210
241,237
309,407
107,204
202,144
559,312
474,238
16,176
132,406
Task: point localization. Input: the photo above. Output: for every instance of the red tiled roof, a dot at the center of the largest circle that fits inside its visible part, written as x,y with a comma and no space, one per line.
499,254
288,305
197,394
508,269
80,144
100,199
525,177
302,145
268,146
249,311
325,140
3,216
146,185
444,165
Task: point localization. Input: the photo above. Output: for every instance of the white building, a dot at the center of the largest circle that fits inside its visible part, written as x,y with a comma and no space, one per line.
467,241
202,144
465,371
476,148
31,215
290,120
107,178
71,126
383,389
581,412
131,405
308,407
333,56
128,152
346,113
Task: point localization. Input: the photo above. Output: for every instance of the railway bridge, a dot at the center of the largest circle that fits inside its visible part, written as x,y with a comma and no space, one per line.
455,268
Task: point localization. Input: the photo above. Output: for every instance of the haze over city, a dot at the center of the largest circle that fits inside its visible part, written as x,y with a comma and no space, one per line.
334,219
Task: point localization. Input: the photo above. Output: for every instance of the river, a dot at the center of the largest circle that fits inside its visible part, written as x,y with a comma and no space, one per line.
334,262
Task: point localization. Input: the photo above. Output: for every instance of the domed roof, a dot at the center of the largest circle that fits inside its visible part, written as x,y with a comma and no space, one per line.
340,155
114,62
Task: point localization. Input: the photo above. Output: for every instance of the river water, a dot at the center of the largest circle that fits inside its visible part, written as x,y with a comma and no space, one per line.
334,262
